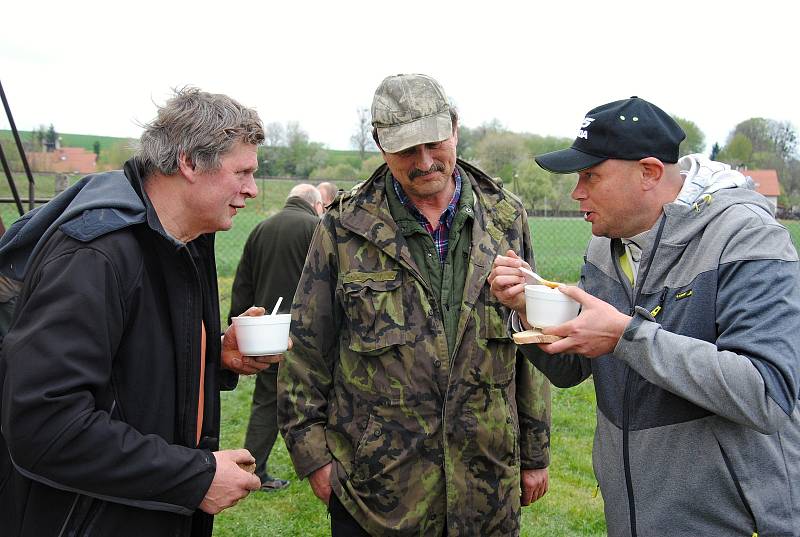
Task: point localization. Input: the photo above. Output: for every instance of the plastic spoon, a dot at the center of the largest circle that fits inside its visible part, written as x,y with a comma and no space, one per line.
532,274
277,305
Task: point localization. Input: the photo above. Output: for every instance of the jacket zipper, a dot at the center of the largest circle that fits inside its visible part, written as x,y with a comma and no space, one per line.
69,515
193,383
628,394
625,450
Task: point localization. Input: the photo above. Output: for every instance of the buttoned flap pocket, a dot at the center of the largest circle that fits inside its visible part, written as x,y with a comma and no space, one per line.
374,308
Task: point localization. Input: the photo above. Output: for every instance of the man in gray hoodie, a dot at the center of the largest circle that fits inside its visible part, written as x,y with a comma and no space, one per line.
690,327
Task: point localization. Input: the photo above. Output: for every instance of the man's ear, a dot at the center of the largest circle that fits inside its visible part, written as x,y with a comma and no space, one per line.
187,167
652,171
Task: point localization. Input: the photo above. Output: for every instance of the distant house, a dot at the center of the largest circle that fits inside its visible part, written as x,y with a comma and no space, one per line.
64,160
766,184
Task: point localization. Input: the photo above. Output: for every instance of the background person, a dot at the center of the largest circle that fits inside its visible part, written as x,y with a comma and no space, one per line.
270,267
404,401
690,326
110,373
328,192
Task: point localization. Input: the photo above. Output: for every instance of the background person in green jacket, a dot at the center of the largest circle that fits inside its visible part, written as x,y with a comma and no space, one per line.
404,401
270,266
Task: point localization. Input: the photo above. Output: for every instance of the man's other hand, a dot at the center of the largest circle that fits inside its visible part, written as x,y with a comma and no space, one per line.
231,483
320,481
534,484
507,283
594,332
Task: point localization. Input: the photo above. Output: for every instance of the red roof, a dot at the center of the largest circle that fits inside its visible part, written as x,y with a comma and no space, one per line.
766,181
64,160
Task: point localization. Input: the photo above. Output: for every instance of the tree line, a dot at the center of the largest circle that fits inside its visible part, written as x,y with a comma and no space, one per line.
756,143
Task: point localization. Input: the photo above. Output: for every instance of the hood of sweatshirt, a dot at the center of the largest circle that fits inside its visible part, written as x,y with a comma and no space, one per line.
709,189
96,205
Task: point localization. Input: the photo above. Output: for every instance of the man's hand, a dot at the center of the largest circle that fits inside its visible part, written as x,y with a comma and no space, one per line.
320,481
507,283
593,333
238,363
230,483
534,484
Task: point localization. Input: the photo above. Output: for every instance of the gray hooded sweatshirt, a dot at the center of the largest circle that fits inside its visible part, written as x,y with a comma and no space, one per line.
698,430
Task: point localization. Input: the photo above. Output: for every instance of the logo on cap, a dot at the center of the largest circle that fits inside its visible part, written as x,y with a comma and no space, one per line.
582,132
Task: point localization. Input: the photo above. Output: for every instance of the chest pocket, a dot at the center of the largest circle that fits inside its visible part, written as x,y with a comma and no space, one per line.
374,308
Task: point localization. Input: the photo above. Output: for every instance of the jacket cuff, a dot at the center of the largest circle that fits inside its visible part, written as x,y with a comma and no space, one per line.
308,449
534,444
228,380
534,454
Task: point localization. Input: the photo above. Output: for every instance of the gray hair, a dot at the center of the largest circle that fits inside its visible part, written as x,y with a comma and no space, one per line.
328,191
306,192
202,126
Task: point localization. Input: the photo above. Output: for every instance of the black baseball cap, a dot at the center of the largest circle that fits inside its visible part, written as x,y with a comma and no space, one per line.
631,129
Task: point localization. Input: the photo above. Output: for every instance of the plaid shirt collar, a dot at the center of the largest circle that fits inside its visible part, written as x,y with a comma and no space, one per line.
441,234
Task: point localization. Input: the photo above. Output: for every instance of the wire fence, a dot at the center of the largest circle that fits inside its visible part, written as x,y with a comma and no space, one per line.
559,242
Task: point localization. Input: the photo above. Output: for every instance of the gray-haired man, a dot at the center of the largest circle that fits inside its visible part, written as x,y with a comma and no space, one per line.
111,370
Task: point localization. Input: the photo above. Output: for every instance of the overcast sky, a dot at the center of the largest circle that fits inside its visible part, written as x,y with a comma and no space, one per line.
535,66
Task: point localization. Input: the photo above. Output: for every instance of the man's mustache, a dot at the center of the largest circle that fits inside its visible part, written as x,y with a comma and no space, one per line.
437,167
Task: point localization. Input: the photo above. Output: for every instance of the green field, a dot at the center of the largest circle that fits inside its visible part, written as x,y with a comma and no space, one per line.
85,141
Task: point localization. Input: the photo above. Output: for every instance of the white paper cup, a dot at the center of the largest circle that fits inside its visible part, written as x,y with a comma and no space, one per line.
546,307
262,334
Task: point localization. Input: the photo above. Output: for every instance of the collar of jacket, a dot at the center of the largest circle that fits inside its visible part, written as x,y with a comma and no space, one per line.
94,206
134,171
365,210
296,202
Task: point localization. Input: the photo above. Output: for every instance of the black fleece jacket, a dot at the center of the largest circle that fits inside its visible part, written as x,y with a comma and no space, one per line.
100,369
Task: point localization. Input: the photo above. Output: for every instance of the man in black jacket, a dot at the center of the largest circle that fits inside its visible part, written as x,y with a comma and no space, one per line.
110,373
269,269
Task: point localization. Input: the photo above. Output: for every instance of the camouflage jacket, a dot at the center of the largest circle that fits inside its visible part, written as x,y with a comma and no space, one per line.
418,439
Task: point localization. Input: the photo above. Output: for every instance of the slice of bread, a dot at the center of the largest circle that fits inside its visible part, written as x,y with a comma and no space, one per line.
247,467
534,335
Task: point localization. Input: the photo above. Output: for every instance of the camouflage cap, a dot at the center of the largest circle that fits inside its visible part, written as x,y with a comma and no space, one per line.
409,110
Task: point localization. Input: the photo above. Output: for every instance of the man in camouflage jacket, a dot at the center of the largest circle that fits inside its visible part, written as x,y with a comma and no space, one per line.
403,395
